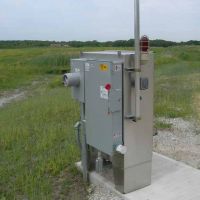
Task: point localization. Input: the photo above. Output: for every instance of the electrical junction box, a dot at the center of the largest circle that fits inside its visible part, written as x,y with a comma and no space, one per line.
103,106
104,84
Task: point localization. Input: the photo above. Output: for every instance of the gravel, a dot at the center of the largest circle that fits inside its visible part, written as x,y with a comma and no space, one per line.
101,193
8,98
181,142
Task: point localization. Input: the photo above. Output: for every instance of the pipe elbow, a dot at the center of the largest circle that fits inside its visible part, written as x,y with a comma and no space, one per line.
71,79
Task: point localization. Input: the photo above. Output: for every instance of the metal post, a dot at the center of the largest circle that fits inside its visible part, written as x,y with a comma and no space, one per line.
137,60
84,150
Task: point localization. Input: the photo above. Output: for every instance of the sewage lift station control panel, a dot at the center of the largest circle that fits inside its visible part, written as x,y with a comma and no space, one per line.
115,91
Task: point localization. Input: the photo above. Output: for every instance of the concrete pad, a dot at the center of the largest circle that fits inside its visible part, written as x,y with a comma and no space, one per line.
171,180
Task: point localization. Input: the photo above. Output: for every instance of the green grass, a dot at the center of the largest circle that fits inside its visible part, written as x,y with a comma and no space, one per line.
37,143
162,125
37,140
19,67
22,66
177,81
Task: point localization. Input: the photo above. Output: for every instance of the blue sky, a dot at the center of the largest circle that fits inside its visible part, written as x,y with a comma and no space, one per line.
177,20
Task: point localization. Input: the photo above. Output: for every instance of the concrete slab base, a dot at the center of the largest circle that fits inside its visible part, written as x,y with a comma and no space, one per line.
171,180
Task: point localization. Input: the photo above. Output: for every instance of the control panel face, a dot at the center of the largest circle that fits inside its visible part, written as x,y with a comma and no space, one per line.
103,105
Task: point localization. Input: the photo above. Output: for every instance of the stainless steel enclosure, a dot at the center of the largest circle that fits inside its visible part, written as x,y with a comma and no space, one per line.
105,85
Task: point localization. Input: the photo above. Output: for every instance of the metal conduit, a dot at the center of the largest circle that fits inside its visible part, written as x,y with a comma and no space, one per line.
137,60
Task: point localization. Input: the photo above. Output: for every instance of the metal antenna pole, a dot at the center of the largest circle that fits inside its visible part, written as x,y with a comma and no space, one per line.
137,60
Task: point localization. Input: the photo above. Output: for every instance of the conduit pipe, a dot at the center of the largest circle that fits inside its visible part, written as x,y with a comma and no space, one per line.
137,68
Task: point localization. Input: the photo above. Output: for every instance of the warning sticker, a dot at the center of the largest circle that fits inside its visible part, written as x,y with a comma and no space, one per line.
77,70
117,68
103,67
87,67
103,93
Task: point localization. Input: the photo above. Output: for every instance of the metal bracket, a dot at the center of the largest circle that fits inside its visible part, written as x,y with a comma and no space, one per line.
133,118
133,70
129,116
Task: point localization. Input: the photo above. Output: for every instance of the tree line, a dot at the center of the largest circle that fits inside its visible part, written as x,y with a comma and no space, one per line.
118,43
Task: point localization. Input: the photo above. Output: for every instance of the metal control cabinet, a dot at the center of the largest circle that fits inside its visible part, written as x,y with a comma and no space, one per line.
103,107
106,91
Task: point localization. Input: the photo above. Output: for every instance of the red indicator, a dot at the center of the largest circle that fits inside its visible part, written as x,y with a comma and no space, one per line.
108,86
144,43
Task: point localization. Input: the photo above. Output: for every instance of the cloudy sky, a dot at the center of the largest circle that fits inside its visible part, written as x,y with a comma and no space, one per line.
177,20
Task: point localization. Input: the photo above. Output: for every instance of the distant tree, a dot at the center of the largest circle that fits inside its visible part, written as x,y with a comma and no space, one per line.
162,43
94,43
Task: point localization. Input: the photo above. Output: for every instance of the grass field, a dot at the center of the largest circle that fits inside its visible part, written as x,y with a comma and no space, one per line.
177,83
37,140
19,67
